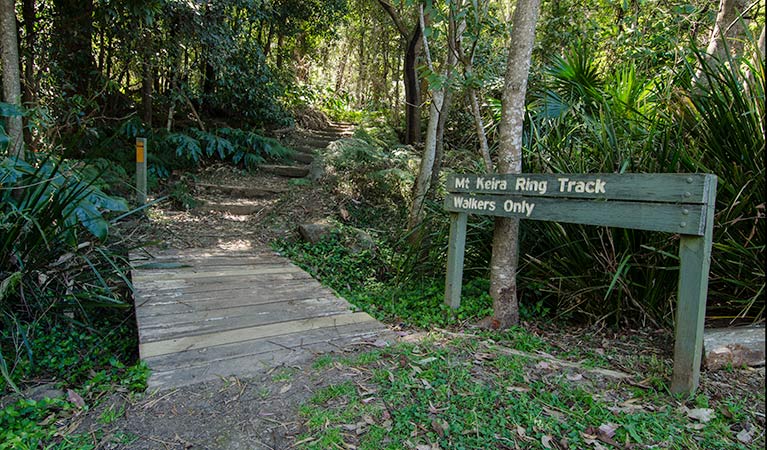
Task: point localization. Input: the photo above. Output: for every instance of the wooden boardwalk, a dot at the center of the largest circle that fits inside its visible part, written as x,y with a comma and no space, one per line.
204,314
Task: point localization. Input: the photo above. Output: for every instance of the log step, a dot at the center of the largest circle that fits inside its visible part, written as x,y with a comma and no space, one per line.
286,171
241,191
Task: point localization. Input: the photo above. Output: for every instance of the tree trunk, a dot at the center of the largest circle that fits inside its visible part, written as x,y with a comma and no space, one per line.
11,74
30,90
423,181
72,46
484,149
504,261
412,89
410,76
29,81
146,89
728,32
439,151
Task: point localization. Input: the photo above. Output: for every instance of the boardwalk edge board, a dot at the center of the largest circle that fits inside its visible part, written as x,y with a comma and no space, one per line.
667,202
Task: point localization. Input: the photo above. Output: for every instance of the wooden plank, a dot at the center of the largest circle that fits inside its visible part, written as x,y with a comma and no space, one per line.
243,334
213,284
211,260
211,321
694,264
455,254
146,295
202,255
192,273
210,355
646,187
684,219
242,366
205,311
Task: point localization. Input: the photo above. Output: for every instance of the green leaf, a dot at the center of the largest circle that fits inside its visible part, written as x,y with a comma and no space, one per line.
90,217
10,110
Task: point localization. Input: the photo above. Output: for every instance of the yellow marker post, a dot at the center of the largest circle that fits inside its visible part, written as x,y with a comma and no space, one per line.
141,149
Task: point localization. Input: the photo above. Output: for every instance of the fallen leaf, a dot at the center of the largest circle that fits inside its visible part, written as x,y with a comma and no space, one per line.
380,343
426,360
345,214
574,377
546,441
423,447
702,415
440,427
517,389
543,365
555,414
744,436
521,432
608,429
75,398
285,388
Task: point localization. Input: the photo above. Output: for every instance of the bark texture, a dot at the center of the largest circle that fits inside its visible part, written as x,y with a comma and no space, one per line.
729,26
11,74
504,261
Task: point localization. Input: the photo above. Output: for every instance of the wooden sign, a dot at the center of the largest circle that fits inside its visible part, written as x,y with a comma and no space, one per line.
673,203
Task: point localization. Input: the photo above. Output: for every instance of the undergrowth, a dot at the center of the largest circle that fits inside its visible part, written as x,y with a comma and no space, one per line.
369,278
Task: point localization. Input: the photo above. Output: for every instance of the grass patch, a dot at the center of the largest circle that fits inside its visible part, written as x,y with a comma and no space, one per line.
460,394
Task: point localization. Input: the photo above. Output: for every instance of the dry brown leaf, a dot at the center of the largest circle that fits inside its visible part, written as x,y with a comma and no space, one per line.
75,398
702,415
608,429
745,436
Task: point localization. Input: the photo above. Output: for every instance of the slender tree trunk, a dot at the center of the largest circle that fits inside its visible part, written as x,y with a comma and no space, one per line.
280,46
729,26
504,261
361,65
146,89
484,149
423,181
11,74
410,76
412,89
727,34
268,44
340,71
29,81
439,151
30,85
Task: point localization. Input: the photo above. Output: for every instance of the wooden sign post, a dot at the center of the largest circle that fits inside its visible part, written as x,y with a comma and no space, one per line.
673,203
141,191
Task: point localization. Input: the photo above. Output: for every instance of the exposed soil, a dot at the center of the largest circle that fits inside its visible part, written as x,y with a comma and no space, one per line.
263,412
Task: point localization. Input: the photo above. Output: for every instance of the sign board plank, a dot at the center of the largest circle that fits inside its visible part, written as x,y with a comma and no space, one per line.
647,187
671,218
